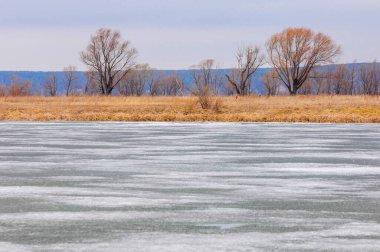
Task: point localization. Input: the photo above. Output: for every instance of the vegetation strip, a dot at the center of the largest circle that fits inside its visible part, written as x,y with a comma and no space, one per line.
319,109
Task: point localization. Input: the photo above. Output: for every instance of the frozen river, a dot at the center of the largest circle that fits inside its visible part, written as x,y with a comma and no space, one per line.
189,187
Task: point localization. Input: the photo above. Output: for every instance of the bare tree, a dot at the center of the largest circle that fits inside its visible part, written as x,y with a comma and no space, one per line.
39,91
353,78
271,83
228,89
110,58
135,82
316,83
343,80
167,86
249,60
51,86
206,76
154,87
340,79
369,77
306,88
19,87
70,79
91,86
327,83
207,81
3,90
294,52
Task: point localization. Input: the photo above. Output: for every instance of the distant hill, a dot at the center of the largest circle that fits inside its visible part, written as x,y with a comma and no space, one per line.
38,78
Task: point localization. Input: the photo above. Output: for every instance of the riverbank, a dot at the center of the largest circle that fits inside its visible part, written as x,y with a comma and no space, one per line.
317,109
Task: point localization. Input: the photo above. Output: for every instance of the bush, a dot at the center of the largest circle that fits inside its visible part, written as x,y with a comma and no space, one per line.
204,98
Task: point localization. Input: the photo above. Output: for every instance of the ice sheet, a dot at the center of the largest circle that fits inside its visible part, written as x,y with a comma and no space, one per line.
189,187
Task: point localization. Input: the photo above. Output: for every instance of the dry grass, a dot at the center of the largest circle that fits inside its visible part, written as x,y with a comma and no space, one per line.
334,109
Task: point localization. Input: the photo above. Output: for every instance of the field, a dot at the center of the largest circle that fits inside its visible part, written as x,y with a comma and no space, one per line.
321,109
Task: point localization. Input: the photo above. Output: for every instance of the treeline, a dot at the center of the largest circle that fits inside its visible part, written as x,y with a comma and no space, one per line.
140,81
344,79
296,56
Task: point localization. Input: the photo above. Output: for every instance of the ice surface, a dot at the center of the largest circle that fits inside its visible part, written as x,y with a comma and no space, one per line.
189,187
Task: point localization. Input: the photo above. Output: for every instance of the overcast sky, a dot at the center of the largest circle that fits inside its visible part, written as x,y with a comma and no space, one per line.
175,34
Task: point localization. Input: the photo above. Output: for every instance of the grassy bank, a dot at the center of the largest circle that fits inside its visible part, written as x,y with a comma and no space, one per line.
334,109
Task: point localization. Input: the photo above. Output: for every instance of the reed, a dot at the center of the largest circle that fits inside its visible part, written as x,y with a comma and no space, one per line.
319,109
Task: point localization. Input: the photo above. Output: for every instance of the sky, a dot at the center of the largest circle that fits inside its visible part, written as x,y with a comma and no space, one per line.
43,35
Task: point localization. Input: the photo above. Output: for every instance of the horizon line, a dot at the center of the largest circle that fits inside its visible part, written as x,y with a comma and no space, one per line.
189,69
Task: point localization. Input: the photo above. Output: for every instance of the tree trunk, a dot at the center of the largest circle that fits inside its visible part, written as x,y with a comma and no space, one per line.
294,89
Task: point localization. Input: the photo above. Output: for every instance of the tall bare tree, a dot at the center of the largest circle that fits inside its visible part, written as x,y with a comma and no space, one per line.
70,79
110,58
249,60
294,52
51,86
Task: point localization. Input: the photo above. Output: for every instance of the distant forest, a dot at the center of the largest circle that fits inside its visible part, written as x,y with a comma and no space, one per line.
332,79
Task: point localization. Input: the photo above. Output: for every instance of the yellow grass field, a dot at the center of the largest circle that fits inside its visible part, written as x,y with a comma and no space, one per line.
321,109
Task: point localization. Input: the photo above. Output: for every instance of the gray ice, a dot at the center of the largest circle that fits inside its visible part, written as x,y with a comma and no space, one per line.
189,187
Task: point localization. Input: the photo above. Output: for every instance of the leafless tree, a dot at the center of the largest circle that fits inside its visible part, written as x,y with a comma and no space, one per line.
249,60
19,87
70,79
153,87
328,87
228,89
369,77
271,83
167,86
3,90
353,78
51,86
39,91
343,80
91,86
206,76
338,80
135,82
110,58
316,83
331,80
306,88
294,52
207,81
